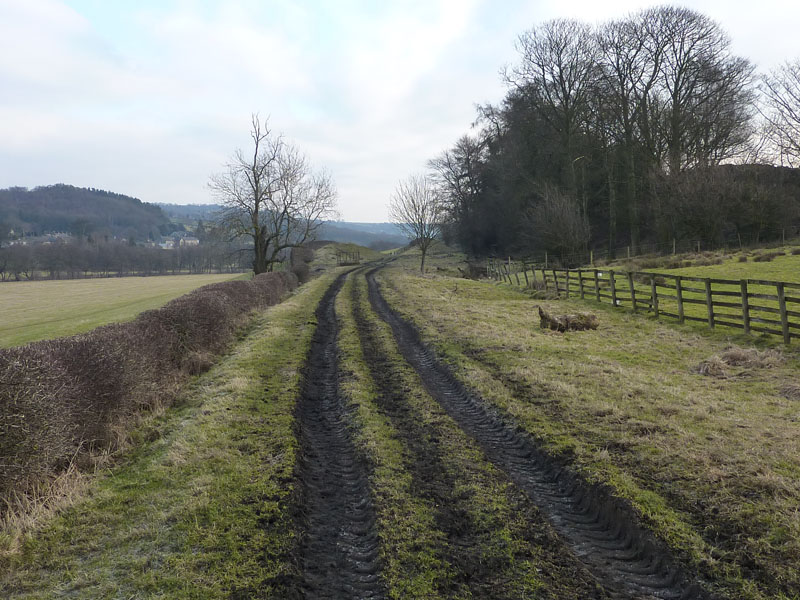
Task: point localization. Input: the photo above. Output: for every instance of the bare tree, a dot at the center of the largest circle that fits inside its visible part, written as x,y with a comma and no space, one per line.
272,196
781,90
417,208
557,70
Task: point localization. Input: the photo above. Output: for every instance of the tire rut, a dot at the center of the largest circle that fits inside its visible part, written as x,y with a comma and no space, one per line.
601,532
339,547
431,479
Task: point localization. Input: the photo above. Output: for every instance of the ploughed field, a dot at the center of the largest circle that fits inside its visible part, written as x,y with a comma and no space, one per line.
386,435
38,310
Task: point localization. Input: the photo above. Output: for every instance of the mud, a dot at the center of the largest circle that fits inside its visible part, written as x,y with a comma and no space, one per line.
339,545
601,531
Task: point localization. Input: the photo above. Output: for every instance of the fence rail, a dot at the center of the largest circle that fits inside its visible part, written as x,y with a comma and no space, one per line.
752,305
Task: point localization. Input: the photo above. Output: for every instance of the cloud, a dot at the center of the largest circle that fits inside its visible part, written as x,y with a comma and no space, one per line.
150,98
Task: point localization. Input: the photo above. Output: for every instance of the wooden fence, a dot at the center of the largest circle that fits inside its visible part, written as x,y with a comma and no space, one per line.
347,258
751,305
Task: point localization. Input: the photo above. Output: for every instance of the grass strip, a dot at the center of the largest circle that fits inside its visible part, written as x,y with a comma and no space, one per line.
203,510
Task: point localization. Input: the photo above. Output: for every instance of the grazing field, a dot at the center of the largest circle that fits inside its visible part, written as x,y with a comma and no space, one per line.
699,435
37,310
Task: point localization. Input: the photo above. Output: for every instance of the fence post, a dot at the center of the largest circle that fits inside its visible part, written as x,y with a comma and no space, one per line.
745,307
596,286
633,290
613,288
580,282
516,275
787,337
673,246
525,273
544,278
555,282
654,295
591,257
566,289
629,251
679,294
545,260
533,272
709,303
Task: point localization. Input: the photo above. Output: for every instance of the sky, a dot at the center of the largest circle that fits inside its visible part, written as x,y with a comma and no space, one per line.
150,98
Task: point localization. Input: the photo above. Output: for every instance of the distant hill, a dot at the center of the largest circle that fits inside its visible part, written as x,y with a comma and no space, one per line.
80,211
190,212
376,235
387,235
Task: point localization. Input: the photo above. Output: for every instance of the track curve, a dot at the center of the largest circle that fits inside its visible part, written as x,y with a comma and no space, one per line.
624,557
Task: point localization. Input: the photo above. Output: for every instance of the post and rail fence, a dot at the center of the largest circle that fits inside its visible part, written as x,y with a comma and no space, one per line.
751,305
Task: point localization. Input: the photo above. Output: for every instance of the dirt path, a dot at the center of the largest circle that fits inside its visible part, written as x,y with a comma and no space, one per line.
339,549
602,533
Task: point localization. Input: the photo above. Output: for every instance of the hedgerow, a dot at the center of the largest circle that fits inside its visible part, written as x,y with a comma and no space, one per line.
67,400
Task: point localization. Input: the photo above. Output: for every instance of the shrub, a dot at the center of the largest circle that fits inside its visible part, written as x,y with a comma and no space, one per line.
64,400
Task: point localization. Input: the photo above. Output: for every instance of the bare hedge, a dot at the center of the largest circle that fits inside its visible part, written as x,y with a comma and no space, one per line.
63,400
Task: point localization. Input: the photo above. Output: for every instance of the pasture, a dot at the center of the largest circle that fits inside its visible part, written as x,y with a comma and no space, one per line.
38,310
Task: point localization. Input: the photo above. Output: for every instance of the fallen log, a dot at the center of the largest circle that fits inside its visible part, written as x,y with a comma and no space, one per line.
574,322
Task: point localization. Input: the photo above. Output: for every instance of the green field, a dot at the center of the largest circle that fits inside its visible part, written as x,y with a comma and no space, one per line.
37,310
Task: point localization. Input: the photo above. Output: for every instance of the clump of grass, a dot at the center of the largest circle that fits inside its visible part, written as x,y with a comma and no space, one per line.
734,356
791,391
767,257
752,357
742,258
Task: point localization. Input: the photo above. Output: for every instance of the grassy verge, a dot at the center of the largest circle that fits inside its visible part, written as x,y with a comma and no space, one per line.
38,310
469,533
202,510
710,463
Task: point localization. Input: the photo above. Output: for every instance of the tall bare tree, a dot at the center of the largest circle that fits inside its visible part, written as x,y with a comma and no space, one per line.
417,208
556,71
272,196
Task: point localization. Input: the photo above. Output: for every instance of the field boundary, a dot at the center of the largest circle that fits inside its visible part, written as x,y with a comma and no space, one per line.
751,305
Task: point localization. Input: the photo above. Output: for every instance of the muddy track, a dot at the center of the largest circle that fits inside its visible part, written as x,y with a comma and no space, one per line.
339,546
601,531
431,478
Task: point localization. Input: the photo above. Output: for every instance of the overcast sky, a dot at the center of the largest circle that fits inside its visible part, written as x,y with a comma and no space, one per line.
150,97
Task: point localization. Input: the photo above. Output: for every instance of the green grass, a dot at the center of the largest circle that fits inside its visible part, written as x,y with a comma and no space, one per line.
709,463
203,511
37,310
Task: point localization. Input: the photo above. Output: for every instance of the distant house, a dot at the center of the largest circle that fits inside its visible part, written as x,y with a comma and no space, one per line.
189,241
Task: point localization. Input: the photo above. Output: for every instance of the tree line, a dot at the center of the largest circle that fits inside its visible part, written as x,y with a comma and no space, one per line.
641,130
77,259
